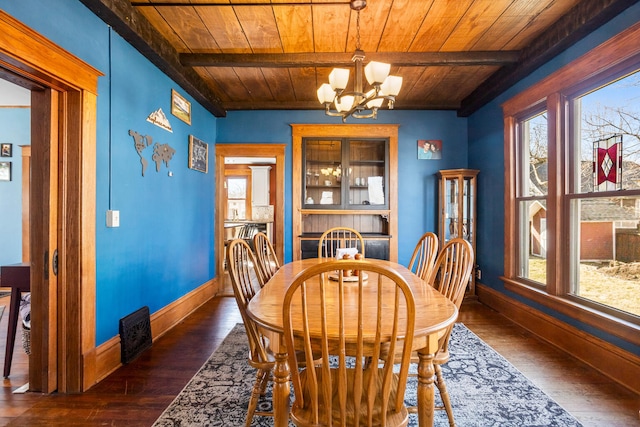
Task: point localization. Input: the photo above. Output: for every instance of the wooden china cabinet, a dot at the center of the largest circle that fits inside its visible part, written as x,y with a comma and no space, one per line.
345,175
457,210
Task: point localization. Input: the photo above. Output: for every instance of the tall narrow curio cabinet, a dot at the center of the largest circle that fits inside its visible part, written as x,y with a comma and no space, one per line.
457,210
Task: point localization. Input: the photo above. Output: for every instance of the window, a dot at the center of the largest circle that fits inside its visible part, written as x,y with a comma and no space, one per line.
572,194
237,197
603,198
532,198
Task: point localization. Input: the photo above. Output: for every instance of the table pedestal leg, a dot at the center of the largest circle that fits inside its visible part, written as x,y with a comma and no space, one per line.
281,391
426,392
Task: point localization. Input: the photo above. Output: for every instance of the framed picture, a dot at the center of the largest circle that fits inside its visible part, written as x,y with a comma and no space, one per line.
429,149
180,107
5,171
6,150
198,154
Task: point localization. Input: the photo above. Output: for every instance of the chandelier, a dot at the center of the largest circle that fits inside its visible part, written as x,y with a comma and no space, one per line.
357,103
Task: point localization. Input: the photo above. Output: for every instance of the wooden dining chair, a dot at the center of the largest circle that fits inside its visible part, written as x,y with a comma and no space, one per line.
349,391
247,281
265,255
450,276
424,255
339,237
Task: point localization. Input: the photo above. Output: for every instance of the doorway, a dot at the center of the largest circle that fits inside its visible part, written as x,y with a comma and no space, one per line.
258,152
62,205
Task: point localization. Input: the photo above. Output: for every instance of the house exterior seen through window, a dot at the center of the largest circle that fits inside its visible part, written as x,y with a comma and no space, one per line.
572,193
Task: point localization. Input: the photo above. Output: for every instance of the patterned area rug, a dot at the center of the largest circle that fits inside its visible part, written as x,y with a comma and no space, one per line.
485,390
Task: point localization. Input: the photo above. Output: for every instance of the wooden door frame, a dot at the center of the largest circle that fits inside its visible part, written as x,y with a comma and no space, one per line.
64,101
255,150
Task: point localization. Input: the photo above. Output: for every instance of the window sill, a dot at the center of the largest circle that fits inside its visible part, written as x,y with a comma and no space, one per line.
624,329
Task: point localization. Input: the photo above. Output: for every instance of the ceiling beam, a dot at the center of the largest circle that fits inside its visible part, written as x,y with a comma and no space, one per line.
214,4
582,20
324,59
138,31
315,105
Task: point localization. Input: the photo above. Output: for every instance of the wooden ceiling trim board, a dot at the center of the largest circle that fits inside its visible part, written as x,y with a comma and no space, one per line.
225,29
475,22
584,18
423,82
279,83
229,83
295,28
442,19
138,31
401,27
302,79
540,23
159,22
254,82
259,26
189,26
326,59
212,82
331,28
373,22
511,23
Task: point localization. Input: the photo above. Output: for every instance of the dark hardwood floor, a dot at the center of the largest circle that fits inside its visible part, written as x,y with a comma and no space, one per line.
136,394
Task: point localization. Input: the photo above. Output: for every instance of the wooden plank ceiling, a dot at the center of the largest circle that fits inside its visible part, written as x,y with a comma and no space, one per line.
274,54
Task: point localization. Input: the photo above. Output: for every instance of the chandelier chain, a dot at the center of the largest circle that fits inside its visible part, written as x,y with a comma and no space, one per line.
358,31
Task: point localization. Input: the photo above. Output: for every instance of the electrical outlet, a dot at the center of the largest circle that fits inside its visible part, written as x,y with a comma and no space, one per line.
479,274
113,218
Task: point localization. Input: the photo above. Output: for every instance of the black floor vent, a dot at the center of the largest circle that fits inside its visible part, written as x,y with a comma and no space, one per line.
135,334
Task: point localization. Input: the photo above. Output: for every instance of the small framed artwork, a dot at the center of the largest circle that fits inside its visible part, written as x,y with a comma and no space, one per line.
429,149
6,150
5,171
180,107
198,154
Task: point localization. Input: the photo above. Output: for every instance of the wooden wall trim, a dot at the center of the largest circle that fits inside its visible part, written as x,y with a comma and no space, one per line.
26,191
107,355
299,131
20,45
619,365
615,53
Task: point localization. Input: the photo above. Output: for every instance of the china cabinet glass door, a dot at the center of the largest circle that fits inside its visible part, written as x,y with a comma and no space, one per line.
345,174
323,173
458,208
367,173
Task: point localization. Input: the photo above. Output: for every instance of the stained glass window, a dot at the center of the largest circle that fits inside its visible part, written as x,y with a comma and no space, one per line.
607,164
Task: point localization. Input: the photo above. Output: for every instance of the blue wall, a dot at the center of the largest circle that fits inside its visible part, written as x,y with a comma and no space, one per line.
486,152
163,248
417,182
16,129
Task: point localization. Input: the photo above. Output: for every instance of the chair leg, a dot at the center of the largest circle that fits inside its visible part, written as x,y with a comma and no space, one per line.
255,395
444,394
266,377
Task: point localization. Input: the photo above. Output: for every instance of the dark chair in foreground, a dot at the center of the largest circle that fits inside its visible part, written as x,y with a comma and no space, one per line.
246,280
424,255
352,391
265,255
339,237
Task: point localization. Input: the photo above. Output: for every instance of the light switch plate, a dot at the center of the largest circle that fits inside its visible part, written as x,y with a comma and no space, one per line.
113,218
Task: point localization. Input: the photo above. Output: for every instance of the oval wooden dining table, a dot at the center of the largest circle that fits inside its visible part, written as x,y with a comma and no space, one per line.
434,314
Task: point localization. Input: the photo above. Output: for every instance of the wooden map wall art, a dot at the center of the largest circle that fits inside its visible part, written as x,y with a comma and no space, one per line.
162,153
